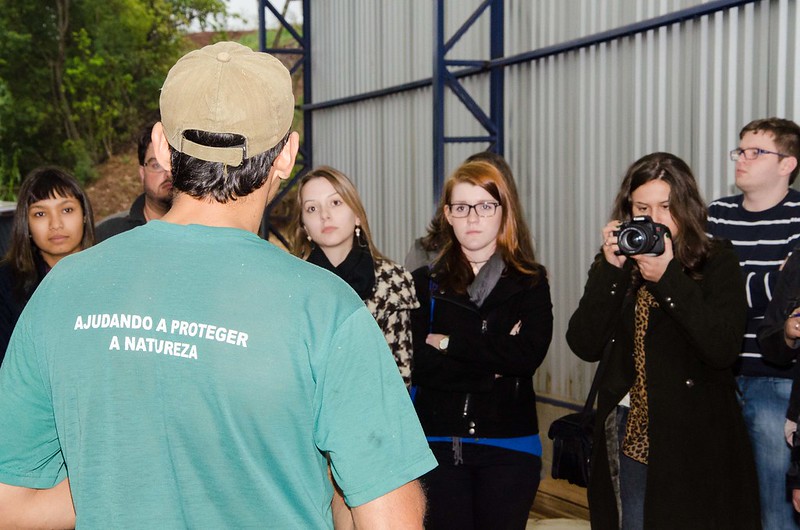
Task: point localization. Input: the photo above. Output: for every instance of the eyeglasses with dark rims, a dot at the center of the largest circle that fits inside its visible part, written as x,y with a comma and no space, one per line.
751,153
482,209
152,165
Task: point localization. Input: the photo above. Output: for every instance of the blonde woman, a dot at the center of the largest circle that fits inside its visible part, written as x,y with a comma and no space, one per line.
332,232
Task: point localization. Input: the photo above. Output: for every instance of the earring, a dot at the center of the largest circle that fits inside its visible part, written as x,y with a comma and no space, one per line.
361,241
308,237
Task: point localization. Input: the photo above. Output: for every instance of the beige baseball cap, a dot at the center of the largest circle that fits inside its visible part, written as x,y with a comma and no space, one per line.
227,88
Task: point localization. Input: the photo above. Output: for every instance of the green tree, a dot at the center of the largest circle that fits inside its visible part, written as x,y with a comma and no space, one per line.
77,79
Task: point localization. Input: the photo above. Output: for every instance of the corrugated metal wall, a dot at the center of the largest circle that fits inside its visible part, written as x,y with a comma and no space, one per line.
573,122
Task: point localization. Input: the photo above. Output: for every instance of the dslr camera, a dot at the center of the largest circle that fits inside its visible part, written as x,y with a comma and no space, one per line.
641,235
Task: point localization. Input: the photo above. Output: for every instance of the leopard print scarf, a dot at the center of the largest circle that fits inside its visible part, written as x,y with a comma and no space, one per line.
636,444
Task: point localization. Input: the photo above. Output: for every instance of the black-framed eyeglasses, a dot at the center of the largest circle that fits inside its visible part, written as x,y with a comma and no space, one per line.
751,153
482,209
153,165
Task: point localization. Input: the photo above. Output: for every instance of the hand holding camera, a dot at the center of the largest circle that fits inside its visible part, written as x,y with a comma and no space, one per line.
641,239
791,328
610,247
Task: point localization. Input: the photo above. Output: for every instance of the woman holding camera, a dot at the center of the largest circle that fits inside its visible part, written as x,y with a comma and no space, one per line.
670,445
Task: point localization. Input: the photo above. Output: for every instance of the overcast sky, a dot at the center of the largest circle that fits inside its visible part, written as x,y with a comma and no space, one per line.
249,10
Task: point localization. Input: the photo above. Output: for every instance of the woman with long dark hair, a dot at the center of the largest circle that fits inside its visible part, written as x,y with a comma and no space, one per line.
332,231
483,328
53,219
670,445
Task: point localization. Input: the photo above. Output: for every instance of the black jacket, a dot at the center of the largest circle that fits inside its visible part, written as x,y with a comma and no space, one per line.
116,225
700,473
10,305
786,298
482,385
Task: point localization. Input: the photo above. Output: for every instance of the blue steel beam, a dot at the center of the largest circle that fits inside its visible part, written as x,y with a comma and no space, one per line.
497,75
303,50
466,25
492,121
558,49
495,66
439,75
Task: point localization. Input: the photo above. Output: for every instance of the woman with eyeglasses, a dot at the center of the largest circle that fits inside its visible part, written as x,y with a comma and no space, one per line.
483,327
670,446
424,250
53,219
331,230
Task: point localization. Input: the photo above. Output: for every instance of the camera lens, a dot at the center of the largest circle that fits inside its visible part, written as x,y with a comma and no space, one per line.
632,240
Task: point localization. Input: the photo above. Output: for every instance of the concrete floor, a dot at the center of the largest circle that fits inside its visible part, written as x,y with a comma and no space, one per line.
557,524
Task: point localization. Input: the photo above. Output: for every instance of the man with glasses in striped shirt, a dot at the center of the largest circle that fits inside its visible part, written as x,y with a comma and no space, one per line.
763,223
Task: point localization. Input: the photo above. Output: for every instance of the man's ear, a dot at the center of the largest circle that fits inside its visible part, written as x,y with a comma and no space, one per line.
161,146
141,174
788,164
284,162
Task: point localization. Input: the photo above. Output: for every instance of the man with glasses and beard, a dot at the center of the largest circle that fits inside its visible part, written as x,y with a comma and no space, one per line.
153,203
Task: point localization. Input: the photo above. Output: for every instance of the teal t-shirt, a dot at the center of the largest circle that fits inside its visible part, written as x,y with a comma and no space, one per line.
189,376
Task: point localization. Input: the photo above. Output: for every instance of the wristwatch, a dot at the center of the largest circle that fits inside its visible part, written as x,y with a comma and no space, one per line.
444,343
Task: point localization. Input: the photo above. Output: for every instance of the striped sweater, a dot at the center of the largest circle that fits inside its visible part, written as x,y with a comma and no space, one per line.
763,240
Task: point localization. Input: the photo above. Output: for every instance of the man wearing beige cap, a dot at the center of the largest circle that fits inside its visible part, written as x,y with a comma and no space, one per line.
188,374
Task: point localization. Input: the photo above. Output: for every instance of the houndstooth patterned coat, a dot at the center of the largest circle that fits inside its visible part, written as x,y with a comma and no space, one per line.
391,303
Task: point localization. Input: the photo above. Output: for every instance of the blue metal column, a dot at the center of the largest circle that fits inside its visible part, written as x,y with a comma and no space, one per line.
497,74
303,50
442,76
439,71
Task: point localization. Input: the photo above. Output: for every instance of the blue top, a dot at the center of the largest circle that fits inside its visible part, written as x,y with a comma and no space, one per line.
526,444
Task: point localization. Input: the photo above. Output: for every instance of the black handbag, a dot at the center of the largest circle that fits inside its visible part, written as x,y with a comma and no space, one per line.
572,438
572,447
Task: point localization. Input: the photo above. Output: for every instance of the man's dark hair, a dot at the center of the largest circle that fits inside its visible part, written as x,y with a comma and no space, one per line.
216,180
785,134
144,141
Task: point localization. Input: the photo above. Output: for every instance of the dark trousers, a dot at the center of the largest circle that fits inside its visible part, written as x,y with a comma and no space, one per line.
632,481
493,488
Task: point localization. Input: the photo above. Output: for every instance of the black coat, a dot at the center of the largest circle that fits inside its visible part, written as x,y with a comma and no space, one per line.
112,226
11,305
482,385
701,472
770,334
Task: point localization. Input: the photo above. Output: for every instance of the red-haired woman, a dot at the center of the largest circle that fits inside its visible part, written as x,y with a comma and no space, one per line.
483,327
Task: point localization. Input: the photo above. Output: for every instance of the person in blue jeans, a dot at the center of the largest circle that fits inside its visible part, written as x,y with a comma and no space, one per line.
763,223
779,337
